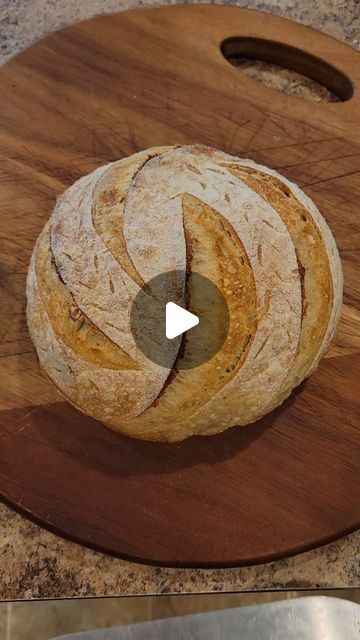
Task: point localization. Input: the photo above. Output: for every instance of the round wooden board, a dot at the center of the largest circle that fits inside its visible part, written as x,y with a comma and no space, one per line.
99,91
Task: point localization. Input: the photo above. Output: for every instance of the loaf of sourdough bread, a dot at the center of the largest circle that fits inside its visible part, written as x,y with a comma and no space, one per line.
243,226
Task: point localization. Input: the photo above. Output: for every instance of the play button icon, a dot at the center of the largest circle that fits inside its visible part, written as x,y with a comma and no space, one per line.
178,320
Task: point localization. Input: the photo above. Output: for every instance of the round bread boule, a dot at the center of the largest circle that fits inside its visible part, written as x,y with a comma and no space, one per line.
253,233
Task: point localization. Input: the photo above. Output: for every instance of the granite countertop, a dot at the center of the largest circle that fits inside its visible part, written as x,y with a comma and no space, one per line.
37,564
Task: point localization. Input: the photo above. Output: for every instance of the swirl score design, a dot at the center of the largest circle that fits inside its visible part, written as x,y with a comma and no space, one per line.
254,234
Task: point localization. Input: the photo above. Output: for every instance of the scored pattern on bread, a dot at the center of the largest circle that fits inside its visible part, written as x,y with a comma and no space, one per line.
215,252
68,321
190,209
314,266
109,201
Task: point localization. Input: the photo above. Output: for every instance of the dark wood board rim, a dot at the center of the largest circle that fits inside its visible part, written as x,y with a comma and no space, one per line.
248,562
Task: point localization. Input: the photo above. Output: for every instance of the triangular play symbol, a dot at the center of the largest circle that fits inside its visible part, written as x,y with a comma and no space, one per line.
178,320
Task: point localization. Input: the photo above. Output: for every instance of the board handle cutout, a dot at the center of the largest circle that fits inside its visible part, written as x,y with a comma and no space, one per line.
289,57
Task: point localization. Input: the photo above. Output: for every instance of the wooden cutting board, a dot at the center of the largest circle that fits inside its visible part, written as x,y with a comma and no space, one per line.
99,91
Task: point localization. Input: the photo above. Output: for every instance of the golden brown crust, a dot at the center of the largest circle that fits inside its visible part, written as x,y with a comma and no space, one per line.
109,200
215,252
69,323
314,268
250,231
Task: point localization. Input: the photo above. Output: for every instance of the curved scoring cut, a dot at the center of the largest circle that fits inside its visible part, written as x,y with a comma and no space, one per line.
153,227
215,252
313,261
332,252
104,292
101,288
197,172
98,284
109,201
68,321
102,393
88,386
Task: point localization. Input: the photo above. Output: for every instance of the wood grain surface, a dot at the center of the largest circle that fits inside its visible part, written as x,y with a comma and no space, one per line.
99,91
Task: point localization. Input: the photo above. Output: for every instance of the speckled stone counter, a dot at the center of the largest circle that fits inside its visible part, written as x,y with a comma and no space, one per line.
37,564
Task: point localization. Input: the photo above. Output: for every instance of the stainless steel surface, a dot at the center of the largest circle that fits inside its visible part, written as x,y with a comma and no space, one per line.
313,618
